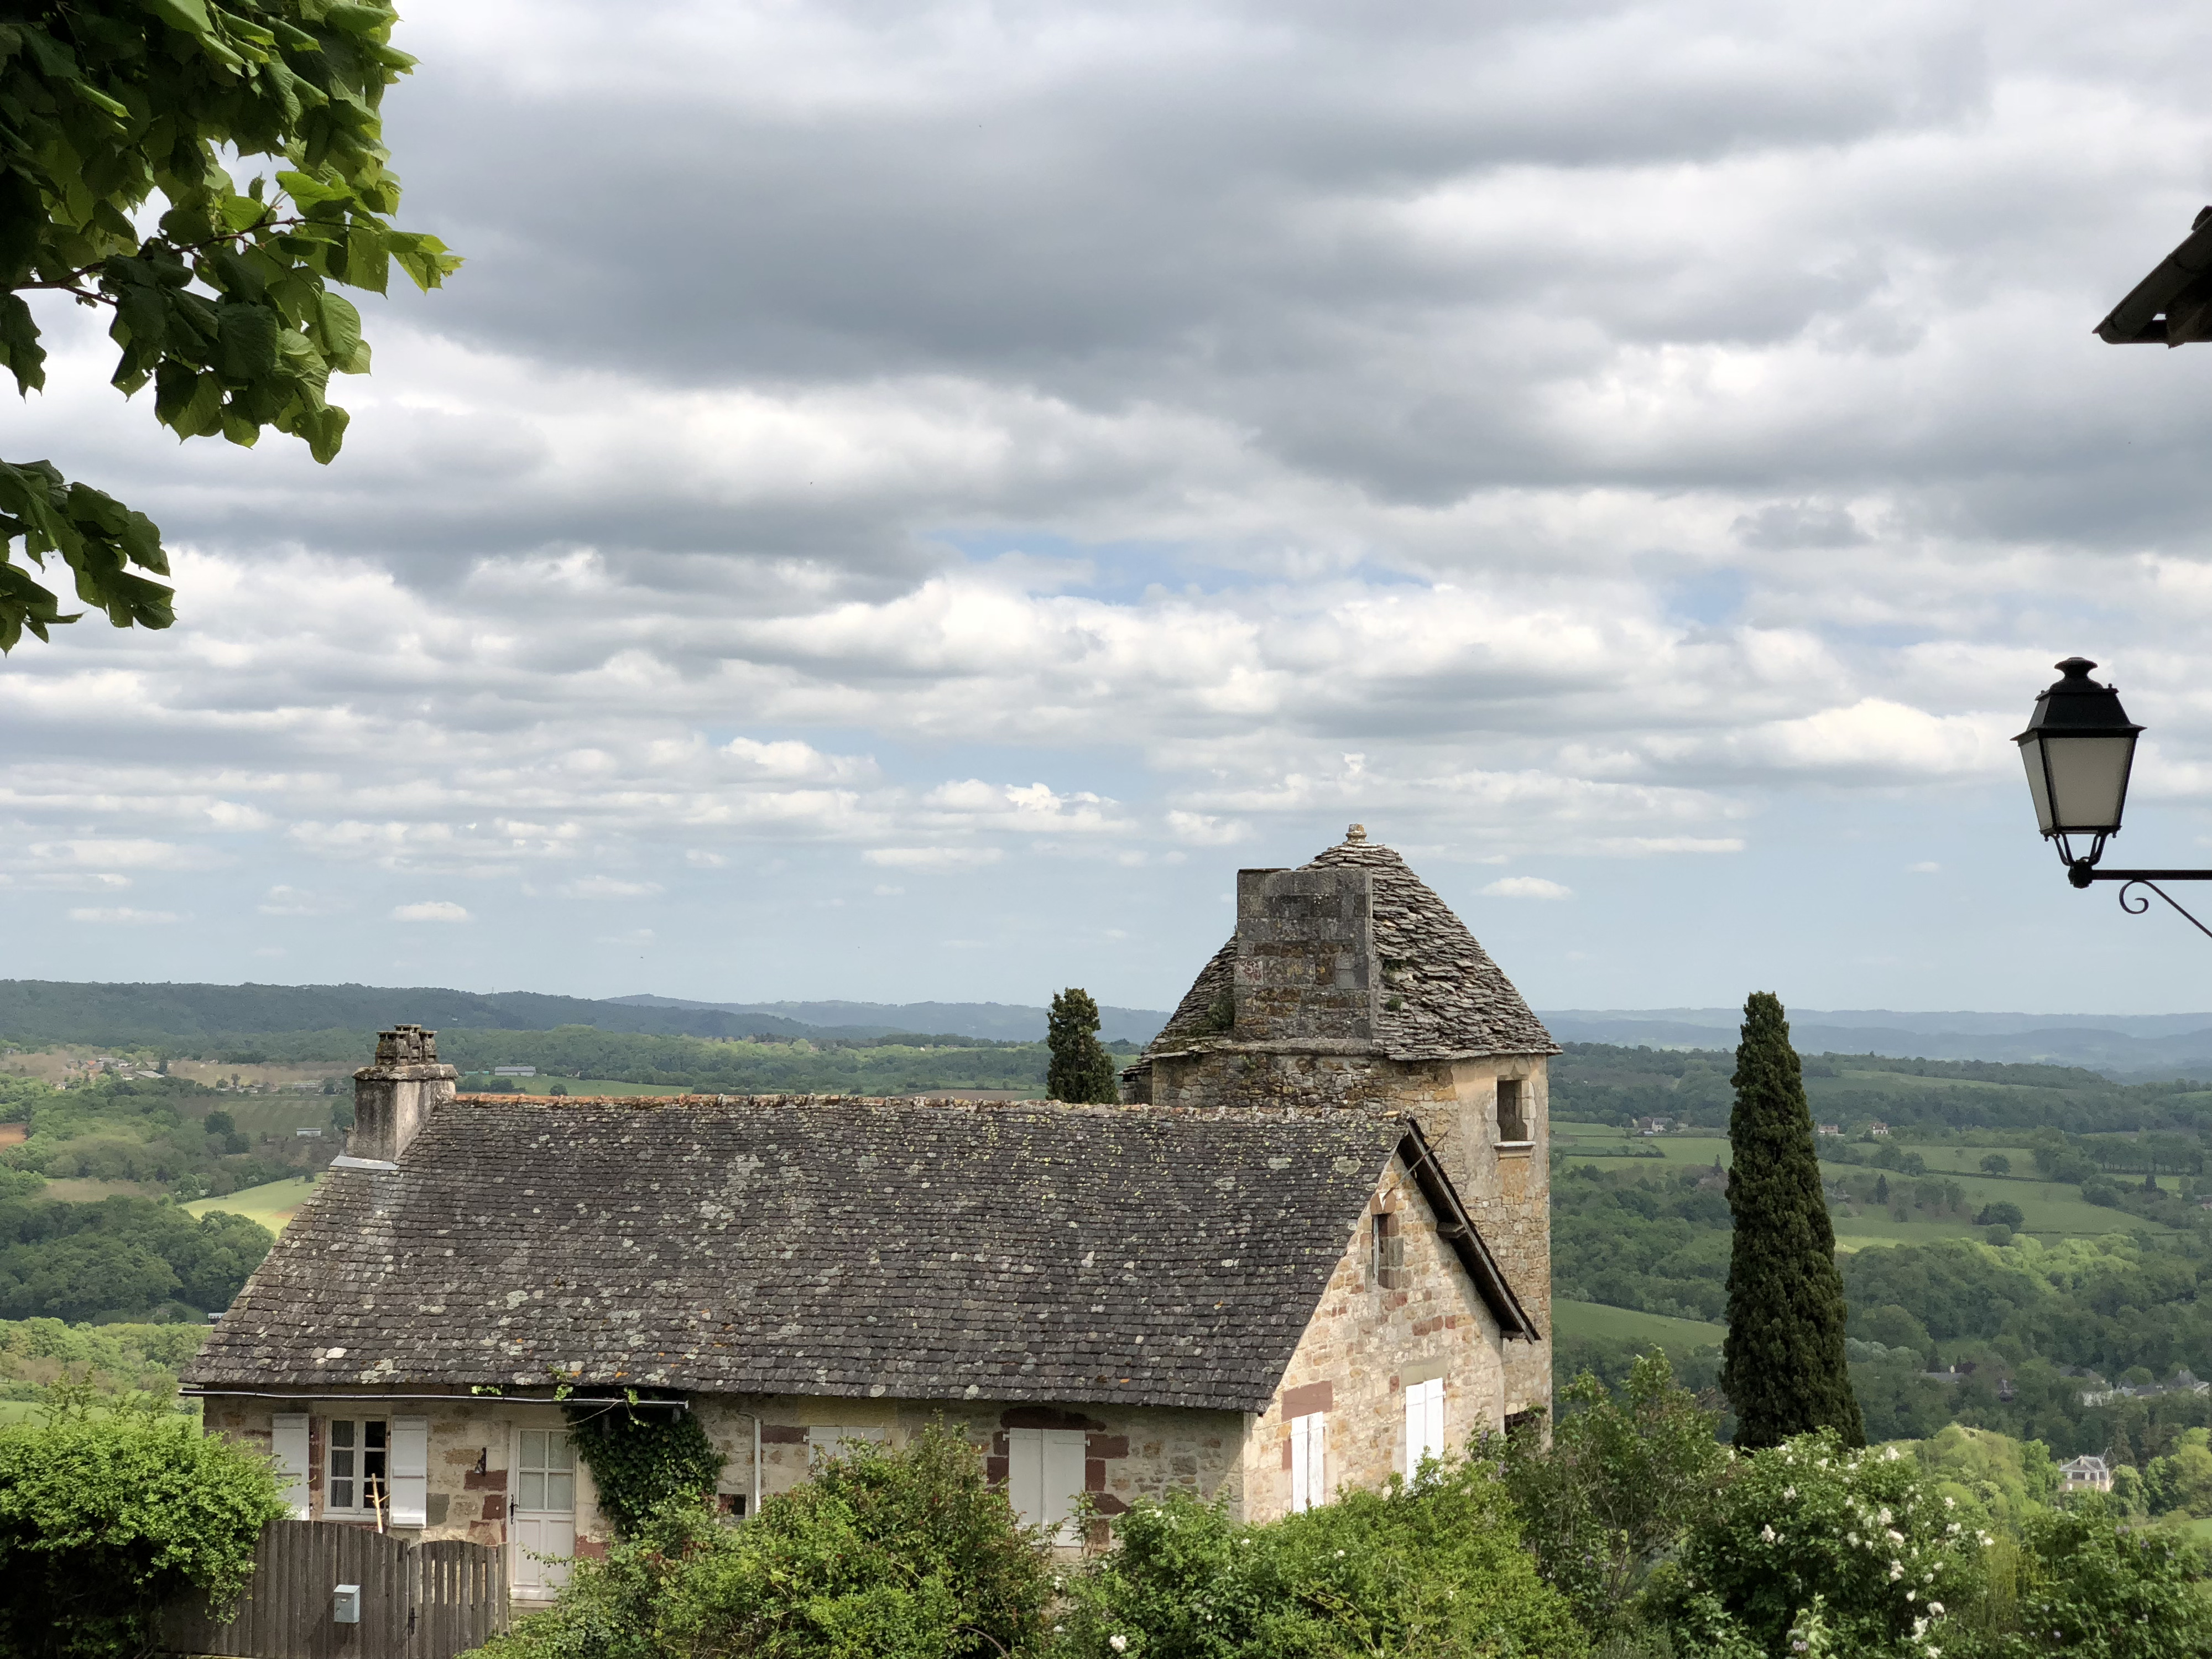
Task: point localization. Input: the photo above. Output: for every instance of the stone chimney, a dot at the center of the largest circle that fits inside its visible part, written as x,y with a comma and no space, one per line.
1305,955
391,1097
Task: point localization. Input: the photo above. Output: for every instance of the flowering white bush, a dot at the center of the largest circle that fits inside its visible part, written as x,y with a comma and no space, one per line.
1864,1535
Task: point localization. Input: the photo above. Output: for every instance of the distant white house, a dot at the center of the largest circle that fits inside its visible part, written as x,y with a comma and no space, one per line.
1828,1128
2088,1473
2182,1382
1652,1126
514,1070
1877,1128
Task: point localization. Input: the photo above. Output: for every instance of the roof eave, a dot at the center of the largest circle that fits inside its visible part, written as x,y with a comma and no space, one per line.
1458,1229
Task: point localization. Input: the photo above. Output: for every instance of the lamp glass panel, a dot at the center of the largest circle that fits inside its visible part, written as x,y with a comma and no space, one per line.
2088,781
2032,752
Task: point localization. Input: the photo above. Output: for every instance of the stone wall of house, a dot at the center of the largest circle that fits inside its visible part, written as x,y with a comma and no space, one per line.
472,1447
1131,1451
1508,1192
1368,1342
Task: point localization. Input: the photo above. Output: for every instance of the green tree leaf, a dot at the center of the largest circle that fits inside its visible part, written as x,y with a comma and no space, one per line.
115,108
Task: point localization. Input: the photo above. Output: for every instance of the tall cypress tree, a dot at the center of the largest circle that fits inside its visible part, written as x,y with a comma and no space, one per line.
1782,1364
1081,1070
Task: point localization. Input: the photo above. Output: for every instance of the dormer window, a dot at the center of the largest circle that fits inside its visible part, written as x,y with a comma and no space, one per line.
1512,1113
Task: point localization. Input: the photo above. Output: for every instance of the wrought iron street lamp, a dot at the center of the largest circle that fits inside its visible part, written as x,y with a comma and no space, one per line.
2080,747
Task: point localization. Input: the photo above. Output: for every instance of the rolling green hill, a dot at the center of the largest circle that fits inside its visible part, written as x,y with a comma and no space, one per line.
2099,1273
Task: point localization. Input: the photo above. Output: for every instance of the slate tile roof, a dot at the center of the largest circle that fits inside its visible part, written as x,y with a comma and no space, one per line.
1454,999
921,1249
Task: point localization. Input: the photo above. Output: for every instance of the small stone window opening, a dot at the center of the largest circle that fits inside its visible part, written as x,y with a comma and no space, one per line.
1390,1253
1512,1112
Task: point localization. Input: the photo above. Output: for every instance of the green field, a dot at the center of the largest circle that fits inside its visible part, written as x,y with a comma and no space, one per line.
278,1113
271,1205
83,1189
475,1082
12,1412
2052,1210
1595,1319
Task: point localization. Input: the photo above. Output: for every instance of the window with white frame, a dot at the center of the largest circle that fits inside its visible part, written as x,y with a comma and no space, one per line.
1308,1461
358,1466
546,1473
1424,1422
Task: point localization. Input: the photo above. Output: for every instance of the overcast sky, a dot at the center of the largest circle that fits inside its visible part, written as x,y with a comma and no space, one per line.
904,500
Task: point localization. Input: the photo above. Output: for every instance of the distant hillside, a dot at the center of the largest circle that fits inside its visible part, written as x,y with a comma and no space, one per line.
1002,1022
229,1016
33,1011
2141,1047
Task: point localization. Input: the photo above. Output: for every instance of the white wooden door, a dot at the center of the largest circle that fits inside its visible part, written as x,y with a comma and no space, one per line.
541,1526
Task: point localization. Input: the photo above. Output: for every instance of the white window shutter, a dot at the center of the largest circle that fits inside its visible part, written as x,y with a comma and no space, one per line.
1062,1482
410,1471
1308,1461
287,1448
1424,1423
1025,1474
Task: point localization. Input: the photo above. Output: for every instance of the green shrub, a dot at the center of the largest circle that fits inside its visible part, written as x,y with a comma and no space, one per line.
905,1554
1431,1567
2092,1588
102,1521
1621,1482
1867,1532
641,1458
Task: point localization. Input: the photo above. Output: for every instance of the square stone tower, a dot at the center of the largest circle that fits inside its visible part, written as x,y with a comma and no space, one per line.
1349,982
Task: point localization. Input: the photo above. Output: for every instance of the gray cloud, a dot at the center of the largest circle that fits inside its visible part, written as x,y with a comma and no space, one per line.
1017,449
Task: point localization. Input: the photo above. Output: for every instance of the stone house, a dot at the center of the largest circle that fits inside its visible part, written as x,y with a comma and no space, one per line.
2088,1473
1261,1296
1349,982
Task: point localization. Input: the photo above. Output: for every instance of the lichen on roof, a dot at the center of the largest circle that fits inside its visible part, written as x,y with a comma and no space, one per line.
926,1249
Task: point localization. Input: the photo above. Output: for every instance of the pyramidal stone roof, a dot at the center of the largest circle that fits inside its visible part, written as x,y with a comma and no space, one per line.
1451,999
928,1249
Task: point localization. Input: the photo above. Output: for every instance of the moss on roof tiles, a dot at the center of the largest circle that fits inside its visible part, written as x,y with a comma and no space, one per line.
754,1245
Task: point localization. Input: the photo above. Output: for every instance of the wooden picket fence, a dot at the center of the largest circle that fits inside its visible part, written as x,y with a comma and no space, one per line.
417,1600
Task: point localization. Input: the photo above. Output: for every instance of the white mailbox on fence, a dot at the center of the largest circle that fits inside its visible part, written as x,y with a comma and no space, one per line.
345,1605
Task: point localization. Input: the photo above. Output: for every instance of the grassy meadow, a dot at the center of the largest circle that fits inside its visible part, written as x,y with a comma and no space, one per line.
2053,1211
1594,1319
271,1204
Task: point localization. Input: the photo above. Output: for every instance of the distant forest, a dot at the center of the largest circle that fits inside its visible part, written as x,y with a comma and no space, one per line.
1598,1083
